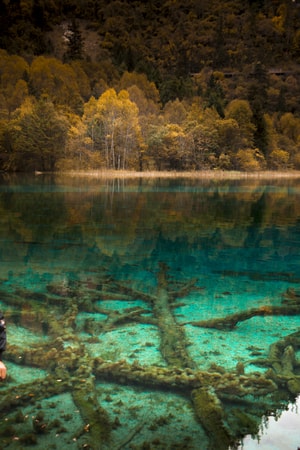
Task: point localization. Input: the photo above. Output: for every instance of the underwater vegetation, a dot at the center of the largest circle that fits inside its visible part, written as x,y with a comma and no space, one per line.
228,404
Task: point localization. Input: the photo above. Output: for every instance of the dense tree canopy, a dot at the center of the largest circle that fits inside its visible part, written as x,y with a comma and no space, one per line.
150,85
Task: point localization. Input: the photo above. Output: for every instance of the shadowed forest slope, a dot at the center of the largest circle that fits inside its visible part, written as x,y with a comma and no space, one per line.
149,85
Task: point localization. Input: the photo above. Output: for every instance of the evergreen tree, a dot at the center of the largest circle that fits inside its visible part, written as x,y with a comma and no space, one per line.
214,95
45,131
38,15
75,43
4,25
257,96
220,53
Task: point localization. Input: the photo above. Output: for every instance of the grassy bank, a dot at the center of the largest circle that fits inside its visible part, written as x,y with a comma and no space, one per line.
206,174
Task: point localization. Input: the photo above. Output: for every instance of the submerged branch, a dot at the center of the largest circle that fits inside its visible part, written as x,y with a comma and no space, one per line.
184,379
230,322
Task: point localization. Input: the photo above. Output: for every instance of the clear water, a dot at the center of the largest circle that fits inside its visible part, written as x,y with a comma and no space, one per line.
93,245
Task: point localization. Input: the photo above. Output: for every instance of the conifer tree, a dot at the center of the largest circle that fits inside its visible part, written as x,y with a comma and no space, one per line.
75,43
257,96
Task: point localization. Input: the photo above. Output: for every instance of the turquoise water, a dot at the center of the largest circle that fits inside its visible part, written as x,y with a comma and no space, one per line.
117,270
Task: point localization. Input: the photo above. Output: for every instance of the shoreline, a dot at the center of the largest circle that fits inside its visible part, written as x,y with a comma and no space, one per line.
205,174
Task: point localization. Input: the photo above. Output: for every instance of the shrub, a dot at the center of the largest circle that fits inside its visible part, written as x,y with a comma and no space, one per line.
278,159
250,160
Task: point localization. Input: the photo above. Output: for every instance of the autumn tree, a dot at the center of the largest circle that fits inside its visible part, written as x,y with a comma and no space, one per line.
49,76
250,160
13,85
175,112
78,153
203,146
113,126
240,111
140,80
201,129
169,147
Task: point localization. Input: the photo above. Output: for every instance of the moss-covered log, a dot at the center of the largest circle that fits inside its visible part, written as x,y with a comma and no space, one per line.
210,414
97,426
213,392
25,394
185,379
172,338
230,322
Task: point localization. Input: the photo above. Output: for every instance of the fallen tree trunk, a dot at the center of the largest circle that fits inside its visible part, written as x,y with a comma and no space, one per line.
184,379
230,322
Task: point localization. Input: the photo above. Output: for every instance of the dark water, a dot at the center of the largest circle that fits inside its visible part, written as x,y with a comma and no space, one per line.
82,264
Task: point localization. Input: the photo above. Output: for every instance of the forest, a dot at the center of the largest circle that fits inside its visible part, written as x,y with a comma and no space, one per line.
158,85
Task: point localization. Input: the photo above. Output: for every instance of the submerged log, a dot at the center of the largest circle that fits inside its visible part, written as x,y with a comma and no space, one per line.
172,338
229,383
210,414
129,315
97,426
283,363
230,322
261,276
72,368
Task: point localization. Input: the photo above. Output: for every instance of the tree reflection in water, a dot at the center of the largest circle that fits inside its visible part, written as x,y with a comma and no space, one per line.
194,270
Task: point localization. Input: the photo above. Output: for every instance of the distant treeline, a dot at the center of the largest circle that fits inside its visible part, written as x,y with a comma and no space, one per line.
179,85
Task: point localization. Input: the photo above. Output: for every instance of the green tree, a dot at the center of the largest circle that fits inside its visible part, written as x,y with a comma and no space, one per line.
257,97
173,87
74,42
40,138
214,96
168,147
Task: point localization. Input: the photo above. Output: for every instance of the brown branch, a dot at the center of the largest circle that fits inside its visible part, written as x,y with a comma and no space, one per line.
184,379
184,290
133,293
229,322
115,318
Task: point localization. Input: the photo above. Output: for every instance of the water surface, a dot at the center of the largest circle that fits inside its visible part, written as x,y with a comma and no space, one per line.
82,263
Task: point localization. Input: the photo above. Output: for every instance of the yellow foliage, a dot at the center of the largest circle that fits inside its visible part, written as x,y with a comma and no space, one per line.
250,160
12,69
278,22
50,76
141,81
278,159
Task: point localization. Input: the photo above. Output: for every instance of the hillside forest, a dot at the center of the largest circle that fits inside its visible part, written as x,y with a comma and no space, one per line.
149,85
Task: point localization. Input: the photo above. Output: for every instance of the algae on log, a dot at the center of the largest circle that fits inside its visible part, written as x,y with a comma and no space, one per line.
207,407
184,379
210,414
214,393
173,342
97,425
229,322
285,368
28,393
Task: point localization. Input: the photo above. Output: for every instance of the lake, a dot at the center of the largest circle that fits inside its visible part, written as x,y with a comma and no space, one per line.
149,312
